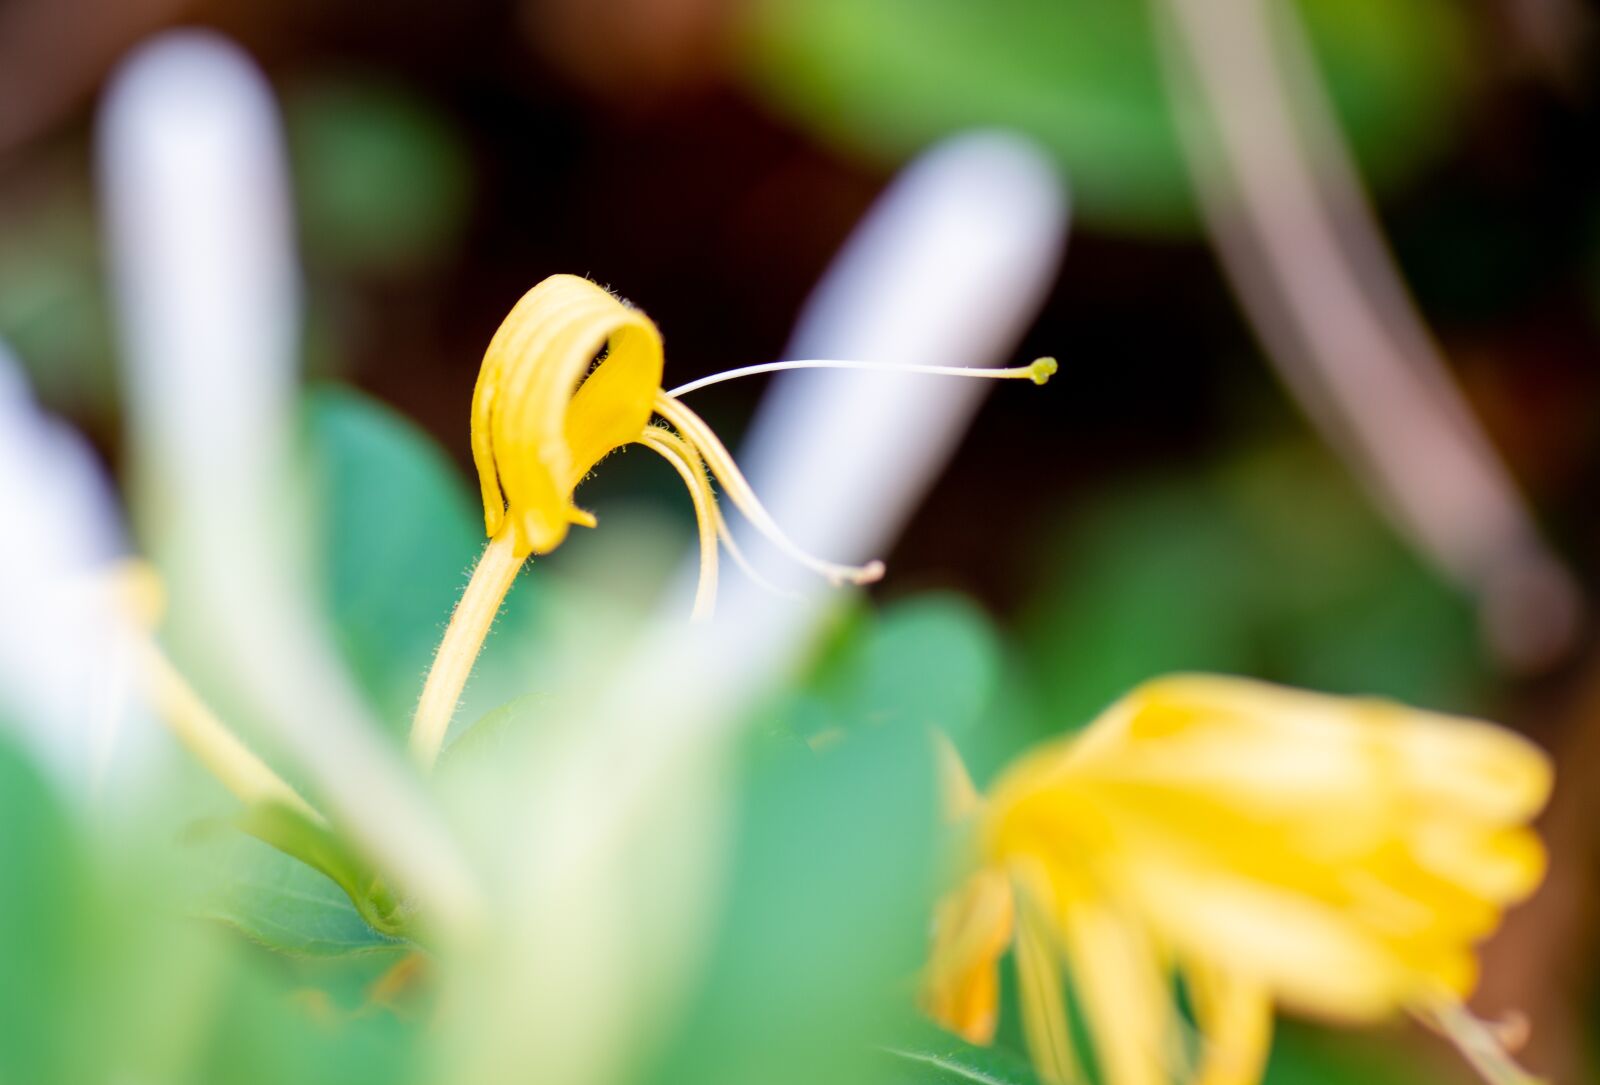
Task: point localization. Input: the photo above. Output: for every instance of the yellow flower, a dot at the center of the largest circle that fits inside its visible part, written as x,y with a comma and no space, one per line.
1338,857
572,375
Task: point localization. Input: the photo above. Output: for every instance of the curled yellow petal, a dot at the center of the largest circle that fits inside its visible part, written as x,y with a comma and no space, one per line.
542,417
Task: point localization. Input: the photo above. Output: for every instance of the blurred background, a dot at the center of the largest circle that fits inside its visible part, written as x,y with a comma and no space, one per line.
706,158
1196,489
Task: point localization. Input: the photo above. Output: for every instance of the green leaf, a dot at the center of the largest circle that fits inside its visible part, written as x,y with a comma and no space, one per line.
1151,580
42,911
887,77
398,533
929,660
287,906
99,984
495,735
831,877
1306,1055
264,1026
932,660
314,843
1301,1055
1269,565
934,1057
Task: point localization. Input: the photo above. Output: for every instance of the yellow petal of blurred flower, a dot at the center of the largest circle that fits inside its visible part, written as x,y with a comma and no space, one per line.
1338,857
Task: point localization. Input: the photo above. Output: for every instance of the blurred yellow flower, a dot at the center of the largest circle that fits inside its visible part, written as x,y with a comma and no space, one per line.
1259,845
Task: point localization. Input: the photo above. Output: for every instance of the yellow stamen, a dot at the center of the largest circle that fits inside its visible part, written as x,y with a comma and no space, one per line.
676,451
463,639
713,527
736,552
717,457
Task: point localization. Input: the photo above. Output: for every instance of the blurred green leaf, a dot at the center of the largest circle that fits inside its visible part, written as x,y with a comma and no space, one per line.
1270,566
257,1030
1339,602
383,180
102,981
1303,1055
930,660
933,1057
42,915
887,77
299,835
831,878
1145,583
398,533
285,905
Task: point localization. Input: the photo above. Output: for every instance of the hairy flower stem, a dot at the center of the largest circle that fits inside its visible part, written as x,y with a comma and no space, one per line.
463,639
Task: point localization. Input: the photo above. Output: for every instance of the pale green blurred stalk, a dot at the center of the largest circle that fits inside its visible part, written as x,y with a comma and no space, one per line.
206,287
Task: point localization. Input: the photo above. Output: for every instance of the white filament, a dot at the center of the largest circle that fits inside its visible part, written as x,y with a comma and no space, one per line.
830,363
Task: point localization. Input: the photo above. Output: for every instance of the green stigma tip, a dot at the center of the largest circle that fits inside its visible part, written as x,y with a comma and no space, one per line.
1042,369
